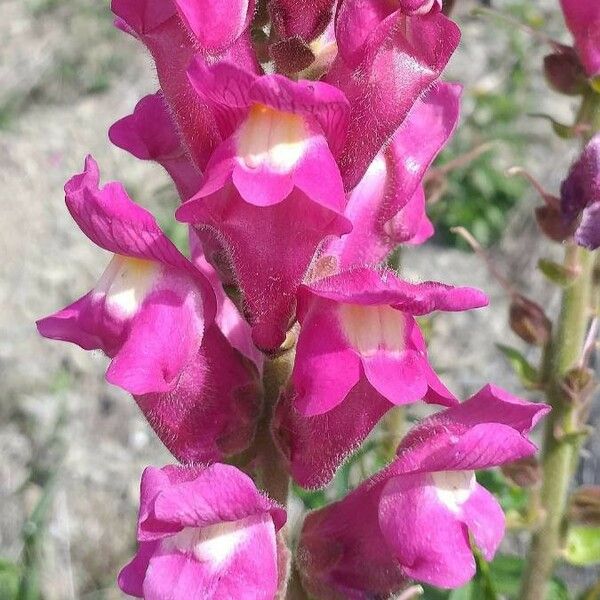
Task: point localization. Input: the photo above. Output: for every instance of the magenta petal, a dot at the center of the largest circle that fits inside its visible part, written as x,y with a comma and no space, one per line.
437,392
131,577
268,278
485,520
316,446
379,287
326,367
401,58
400,379
247,570
211,412
492,404
154,480
262,187
172,48
411,225
387,207
216,25
68,325
150,134
321,101
222,83
583,19
429,541
426,130
355,21
160,343
219,493
342,553
175,575
253,572
143,16
485,431
315,171
114,222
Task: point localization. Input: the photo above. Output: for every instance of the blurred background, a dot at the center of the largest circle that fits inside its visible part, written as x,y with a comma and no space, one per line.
72,447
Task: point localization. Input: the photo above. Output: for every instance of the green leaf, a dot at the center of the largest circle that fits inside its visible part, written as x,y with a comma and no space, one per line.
526,373
557,273
563,131
311,499
583,546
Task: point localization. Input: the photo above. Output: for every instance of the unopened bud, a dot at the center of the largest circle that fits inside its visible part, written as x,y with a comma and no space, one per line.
564,72
584,506
525,473
291,55
529,321
554,224
579,385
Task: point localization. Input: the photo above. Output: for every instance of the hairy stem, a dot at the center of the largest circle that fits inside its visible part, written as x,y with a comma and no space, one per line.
272,475
561,442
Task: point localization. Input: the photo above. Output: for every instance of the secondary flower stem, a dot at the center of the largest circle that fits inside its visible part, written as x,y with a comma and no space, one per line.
561,440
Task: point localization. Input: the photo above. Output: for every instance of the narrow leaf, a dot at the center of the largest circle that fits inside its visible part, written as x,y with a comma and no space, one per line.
557,273
526,372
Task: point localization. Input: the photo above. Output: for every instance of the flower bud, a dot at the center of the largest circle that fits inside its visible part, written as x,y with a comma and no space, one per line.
585,505
553,224
291,55
525,472
529,321
579,384
564,72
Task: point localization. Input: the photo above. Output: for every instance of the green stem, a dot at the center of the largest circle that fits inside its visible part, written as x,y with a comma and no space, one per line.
272,475
560,446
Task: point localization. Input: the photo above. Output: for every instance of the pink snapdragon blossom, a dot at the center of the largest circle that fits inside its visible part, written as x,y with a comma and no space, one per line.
580,196
149,133
583,19
387,58
272,190
387,207
413,519
152,312
314,447
361,324
204,533
359,353
159,26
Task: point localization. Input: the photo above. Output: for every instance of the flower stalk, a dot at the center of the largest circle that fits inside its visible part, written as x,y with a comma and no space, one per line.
562,431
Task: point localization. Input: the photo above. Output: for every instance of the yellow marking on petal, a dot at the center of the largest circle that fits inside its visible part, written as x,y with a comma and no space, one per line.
372,328
125,283
273,137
